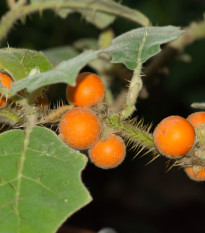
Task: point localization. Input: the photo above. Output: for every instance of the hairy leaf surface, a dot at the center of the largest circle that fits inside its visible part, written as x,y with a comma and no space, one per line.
40,186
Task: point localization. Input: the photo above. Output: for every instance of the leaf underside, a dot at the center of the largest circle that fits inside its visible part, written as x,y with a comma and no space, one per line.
123,49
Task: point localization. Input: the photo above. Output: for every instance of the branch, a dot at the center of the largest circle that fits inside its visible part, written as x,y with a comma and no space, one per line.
111,8
193,32
11,3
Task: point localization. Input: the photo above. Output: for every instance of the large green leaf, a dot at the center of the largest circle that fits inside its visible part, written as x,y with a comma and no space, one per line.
98,12
65,72
124,49
19,62
59,54
40,186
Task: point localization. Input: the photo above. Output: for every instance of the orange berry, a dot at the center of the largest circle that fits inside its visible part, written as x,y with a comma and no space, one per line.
80,128
6,82
195,173
109,153
89,90
196,118
174,136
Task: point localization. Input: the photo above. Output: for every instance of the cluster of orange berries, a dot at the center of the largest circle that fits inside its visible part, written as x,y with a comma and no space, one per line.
175,136
80,127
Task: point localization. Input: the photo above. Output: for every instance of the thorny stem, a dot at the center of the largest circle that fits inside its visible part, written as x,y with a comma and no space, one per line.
198,105
133,92
135,84
194,31
192,160
140,136
11,3
55,115
134,133
22,10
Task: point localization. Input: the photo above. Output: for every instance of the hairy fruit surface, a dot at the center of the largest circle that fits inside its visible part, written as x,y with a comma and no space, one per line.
174,136
196,118
89,90
196,173
109,153
80,128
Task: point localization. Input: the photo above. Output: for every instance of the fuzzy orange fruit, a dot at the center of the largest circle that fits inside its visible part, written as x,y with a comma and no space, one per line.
196,173
174,136
109,153
196,118
89,90
80,128
6,82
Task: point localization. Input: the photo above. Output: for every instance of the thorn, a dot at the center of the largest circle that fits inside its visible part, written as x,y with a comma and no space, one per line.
138,152
147,152
8,46
173,165
154,158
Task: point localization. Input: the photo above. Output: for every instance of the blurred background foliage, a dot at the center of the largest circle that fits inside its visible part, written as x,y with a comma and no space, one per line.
133,197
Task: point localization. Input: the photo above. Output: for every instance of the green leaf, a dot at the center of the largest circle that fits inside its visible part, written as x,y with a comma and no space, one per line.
41,186
125,48
19,62
98,12
59,54
86,44
99,19
65,72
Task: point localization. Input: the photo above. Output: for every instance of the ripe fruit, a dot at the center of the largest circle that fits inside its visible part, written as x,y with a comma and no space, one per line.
80,128
196,118
195,173
6,82
174,136
89,90
109,153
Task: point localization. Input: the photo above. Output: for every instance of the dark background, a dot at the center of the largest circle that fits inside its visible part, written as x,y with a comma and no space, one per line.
133,197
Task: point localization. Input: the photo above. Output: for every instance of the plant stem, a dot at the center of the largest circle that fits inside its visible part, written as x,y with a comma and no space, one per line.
135,133
135,85
11,3
193,32
111,8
